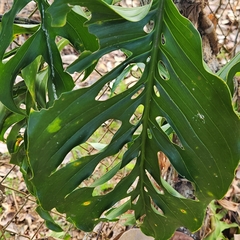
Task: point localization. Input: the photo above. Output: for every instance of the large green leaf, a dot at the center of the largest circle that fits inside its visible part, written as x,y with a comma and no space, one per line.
174,85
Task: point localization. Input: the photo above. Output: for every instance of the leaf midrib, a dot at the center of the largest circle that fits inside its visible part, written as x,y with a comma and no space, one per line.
151,79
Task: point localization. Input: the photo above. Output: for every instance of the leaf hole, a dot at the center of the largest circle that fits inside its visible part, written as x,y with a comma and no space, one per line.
112,60
236,99
137,115
176,140
117,210
67,52
138,93
133,186
136,73
138,132
118,81
156,208
101,70
127,79
156,91
164,164
165,126
105,132
154,183
169,131
127,165
163,39
96,143
135,200
103,189
149,26
109,172
185,188
149,133
104,180
163,71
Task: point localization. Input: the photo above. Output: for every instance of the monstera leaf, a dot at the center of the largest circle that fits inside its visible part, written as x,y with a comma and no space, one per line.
174,86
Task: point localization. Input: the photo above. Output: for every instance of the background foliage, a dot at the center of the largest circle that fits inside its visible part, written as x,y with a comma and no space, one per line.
192,103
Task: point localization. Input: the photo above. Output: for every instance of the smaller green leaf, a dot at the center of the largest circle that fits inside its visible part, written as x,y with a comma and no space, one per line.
6,30
77,33
162,70
229,70
116,212
138,73
129,219
62,43
107,176
18,156
24,29
79,11
59,235
9,54
218,225
167,129
60,9
170,189
29,75
223,72
59,14
88,70
50,223
7,119
14,139
41,87
132,14
120,78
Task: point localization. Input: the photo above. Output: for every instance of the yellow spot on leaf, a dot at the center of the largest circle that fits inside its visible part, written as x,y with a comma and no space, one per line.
54,126
18,142
75,164
195,219
32,110
183,211
210,194
86,203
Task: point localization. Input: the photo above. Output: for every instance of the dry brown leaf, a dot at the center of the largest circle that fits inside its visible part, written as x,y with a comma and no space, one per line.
2,197
229,205
236,236
181,236
238,173
164,163
134,234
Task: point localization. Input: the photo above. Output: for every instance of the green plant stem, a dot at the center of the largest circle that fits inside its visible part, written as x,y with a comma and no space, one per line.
20,20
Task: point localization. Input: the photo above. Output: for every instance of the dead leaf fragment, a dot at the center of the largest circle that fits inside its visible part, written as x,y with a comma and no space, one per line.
229,205
134,234
181,236
236,236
